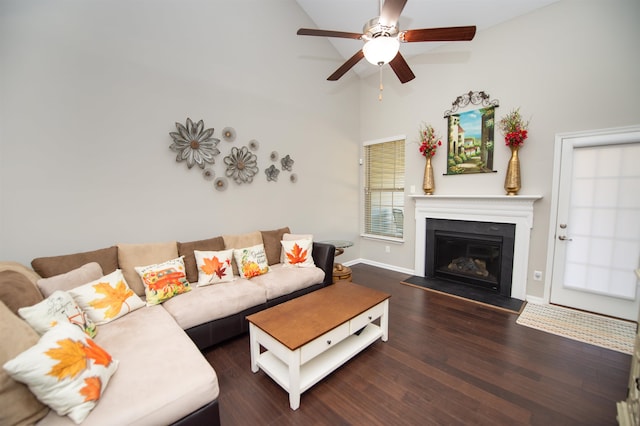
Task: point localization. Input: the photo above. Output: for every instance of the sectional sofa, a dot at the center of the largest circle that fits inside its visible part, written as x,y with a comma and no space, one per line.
162,376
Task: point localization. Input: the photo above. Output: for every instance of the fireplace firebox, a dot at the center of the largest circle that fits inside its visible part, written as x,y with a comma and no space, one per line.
478,254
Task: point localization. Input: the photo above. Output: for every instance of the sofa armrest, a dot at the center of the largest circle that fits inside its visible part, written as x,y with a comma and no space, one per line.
323,255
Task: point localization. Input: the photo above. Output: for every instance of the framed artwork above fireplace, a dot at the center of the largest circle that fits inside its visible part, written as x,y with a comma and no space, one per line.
470,134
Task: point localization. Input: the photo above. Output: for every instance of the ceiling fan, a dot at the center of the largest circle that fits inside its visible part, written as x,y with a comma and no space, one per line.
382,39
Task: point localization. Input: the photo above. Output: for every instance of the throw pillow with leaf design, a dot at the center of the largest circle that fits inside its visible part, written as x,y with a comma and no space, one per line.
164,280
65,370
58,307
107,298
214,266
251,261
298,253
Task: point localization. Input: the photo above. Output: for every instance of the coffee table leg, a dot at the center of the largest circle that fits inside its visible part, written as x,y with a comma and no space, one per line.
255,347
294,379
384,321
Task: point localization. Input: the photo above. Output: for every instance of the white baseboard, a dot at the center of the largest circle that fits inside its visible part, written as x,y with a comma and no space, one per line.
536,300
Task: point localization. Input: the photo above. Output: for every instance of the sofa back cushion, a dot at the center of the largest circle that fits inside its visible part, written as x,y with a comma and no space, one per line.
56,265
70,280
132,255
271,241
187,249
17,287
17,405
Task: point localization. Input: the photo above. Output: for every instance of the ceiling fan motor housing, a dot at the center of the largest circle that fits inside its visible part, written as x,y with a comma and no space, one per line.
373,28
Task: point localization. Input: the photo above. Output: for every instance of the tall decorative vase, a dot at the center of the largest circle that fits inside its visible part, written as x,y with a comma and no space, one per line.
512,180
428,184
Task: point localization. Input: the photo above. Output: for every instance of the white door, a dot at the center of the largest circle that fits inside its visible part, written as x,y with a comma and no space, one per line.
597,227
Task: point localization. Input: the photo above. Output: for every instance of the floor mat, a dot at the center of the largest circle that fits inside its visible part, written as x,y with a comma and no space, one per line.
610,333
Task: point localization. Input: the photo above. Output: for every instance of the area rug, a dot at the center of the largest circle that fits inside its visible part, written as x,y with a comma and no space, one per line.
610,333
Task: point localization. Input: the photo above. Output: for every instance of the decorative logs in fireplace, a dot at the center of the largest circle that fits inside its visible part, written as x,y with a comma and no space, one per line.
478,254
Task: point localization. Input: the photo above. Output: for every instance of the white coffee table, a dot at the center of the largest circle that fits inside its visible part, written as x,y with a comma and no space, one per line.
307,338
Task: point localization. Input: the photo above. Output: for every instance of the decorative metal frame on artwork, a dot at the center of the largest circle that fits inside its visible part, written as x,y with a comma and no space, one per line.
475,98
470,134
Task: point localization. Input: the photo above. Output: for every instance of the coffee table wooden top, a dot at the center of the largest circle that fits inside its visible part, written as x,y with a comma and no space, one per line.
299,321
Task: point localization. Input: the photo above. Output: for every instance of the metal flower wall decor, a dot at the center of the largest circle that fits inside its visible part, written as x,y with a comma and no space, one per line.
194,144
197,146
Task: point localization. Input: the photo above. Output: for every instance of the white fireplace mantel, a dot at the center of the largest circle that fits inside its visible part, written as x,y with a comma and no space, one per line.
516,209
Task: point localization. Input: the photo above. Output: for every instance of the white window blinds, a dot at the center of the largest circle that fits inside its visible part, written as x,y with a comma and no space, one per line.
384,189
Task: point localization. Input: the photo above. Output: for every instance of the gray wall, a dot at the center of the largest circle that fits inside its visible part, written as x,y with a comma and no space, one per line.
89,92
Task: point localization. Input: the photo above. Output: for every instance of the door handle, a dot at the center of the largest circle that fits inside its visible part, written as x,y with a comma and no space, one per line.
564,238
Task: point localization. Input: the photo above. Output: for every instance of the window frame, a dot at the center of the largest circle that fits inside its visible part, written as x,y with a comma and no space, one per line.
363,189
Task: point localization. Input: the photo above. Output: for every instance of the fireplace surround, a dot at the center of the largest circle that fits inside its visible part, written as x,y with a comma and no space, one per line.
517,210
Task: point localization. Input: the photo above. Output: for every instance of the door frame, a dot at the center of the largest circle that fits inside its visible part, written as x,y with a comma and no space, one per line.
607,136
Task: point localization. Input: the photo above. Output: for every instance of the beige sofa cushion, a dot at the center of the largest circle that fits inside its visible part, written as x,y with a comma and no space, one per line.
70,280
56,265
132,255
162,376
208,303
283,280
18,406
186,250
271,241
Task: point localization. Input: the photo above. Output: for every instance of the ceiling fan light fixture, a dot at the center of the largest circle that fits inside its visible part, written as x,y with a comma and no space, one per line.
381,50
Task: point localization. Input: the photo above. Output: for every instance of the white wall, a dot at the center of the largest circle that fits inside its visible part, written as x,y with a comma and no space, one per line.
89,91
570,66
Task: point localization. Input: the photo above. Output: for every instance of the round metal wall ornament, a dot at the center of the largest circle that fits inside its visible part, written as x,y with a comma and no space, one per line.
229,134
272,173
287,163
242,165
220,184
274,156
254,145
194,144
293,178
208,173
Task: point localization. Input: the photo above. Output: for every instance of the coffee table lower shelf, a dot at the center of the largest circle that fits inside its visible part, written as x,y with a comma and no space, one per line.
319,367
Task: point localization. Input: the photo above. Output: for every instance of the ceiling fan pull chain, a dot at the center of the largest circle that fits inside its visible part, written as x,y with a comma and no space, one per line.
381,86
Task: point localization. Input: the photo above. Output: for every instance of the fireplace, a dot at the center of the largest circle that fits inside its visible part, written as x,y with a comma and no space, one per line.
478,254
516,210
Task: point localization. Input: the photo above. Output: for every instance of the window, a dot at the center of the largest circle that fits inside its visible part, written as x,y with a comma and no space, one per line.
384,188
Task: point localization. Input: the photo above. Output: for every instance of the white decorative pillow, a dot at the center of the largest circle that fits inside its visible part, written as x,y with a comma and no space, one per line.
214,266
65,370
251,261
298,253
164,280
293,237
58,308
107,298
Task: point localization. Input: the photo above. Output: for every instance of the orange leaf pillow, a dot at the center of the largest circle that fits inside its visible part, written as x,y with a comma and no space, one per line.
298,253
66,370
214,266
107,298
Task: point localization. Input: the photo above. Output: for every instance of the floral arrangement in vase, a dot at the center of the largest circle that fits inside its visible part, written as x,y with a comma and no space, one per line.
514,128
429,140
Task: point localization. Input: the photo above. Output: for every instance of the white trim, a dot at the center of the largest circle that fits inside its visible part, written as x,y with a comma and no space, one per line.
379,265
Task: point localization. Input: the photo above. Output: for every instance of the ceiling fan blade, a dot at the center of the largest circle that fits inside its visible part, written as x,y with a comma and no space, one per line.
401,68
439,34
391,10
328,33
346,66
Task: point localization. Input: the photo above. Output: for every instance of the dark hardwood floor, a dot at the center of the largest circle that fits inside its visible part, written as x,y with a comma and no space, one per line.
447,361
